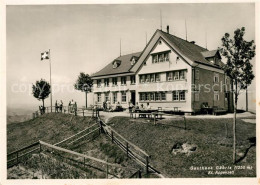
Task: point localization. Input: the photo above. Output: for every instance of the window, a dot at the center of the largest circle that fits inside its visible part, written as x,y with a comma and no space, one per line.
226,96
106,96
147,78
114,97
226,80
182,75
155,58
123,98
98,83
132,78
216,96
175,96
169,76
152,77
142,78
160,57
152,96
123,80
157,96
176,75
163,96
157,77
197,74
182,95
98,97
142,96
106,81
197,96
166,56
114,81
216,77
147,96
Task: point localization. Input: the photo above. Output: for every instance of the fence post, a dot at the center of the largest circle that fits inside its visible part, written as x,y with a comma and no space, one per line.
112,136
139,174
184,122
107,170
84,162
127,150
47,109
17,156
40,148
147,164
83,112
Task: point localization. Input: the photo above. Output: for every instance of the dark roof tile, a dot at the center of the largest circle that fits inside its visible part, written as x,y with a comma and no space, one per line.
124,66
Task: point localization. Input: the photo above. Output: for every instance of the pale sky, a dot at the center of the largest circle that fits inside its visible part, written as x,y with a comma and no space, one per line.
84,38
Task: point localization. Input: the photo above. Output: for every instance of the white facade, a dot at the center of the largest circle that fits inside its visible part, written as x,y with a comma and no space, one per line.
174,64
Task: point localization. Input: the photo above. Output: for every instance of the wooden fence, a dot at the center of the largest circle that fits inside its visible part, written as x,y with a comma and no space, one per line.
15,157
132,151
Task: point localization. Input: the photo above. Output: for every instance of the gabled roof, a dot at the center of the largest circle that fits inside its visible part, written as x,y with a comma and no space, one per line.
124,67
190,50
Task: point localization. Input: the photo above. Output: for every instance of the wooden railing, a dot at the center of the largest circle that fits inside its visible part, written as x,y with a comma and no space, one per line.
15,157
132,151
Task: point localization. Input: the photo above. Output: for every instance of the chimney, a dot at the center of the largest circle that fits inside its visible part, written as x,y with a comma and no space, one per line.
167,28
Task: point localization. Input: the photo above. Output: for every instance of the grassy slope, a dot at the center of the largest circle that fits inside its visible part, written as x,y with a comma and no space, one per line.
207,134
49,127
56,127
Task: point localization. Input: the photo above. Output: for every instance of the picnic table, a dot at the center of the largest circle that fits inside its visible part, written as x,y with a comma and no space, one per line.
151,115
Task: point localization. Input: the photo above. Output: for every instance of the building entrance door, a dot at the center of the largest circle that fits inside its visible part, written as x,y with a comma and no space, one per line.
133,97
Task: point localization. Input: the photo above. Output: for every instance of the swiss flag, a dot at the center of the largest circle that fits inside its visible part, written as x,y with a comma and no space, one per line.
45,55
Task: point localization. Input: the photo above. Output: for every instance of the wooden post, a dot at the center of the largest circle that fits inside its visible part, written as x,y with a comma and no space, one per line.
47,109
184,122
154,119
139,174
112,136
107,170
40,148
17,156
83,112
84,162
127,149
147,164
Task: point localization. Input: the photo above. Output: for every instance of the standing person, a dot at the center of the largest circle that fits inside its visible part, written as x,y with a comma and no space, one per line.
72,106
56,106
75,108
61,106
69,107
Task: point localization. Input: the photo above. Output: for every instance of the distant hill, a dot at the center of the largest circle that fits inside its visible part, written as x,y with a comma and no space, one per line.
17,115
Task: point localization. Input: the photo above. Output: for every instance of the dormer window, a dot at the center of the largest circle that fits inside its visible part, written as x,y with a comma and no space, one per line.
116,64
133,60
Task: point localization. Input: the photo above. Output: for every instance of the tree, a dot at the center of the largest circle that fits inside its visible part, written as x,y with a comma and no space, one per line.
84,83
238,53
41,90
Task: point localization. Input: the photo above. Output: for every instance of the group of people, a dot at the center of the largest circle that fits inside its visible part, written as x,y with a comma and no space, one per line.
58,106
72,107
133,107
108,107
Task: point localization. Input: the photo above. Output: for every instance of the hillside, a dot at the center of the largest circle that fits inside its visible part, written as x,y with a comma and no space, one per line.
51,128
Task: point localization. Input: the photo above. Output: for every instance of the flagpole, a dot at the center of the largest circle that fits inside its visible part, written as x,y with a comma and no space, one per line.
50,76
